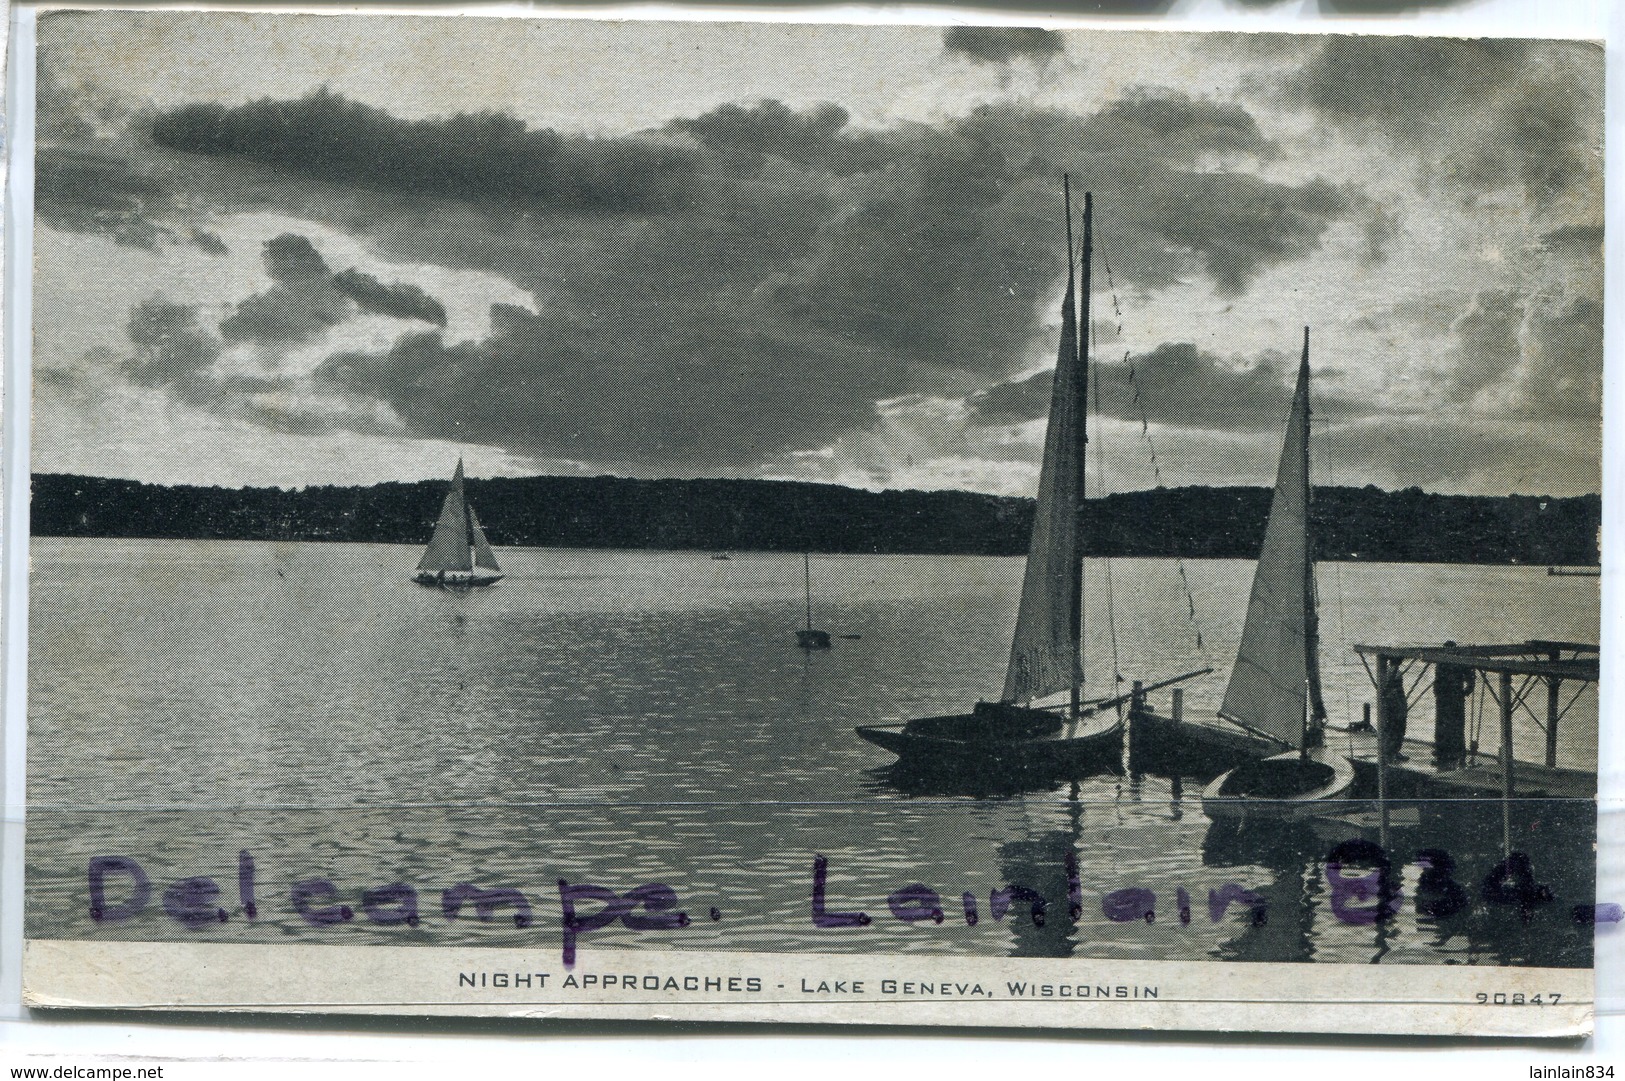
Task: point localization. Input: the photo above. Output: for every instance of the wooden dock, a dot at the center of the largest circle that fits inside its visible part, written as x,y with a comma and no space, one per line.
1211,746
1510,675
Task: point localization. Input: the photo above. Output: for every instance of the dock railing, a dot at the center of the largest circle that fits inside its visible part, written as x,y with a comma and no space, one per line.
1454,670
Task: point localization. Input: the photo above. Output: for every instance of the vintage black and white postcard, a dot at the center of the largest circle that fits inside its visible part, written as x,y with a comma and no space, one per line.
804,522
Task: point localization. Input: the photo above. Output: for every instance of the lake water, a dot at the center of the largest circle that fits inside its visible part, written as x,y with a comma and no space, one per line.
626,717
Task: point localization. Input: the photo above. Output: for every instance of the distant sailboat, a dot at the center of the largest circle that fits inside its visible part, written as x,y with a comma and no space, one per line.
809,638
1274,688
1046,651
458,552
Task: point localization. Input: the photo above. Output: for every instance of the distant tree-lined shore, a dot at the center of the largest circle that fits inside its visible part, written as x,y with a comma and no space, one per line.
613,512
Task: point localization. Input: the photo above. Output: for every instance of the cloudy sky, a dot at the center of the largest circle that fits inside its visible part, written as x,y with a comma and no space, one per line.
276,249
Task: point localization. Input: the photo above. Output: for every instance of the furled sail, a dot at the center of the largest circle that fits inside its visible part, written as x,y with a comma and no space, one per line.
1276,680
448,548
483,556
1044,656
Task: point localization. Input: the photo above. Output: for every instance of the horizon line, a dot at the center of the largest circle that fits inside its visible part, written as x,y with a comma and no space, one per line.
815,483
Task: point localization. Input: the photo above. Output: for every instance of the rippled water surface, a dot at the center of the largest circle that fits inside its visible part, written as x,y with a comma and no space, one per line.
626,717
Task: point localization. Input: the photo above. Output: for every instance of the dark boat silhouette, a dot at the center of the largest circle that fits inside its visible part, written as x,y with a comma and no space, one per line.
808,637
1046,649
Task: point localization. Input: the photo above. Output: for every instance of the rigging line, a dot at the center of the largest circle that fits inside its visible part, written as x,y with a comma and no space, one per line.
1337,575
1523,701
1100,474
1151,446
1583,688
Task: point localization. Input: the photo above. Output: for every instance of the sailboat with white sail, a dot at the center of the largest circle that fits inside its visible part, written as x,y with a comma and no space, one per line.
459,556
1046,655
1274,688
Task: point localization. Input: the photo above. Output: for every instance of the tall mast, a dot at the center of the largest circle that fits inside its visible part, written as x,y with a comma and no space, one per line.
1315,711
806,573
1082,361
467,553
1045,651
468,514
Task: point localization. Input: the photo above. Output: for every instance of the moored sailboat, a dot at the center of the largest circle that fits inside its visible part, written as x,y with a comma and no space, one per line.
1046,655
459,556
1274,688
809,637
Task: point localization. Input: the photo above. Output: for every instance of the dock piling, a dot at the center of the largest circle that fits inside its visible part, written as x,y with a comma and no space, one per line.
1553,692
1384,667
1451,685
1506,763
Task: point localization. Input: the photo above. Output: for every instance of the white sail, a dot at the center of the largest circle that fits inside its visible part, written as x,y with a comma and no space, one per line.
448,548
1276,681
1044,656
483,556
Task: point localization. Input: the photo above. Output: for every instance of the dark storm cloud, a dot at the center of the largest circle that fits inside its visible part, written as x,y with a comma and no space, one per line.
1395,79
1170,217
1530,356
1179,385
281,314
1547,144
1584,240
483,156
746,135
1562,375
400,301
174,352
172,349
807,272
1257,224
573,388
1015,402
1176,128
308,298
1468,453
92,191
1479,113
1001,44
292,259
209,242
302,304
945,258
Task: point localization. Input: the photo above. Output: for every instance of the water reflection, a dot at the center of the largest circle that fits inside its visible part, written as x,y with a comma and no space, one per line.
1045,862
622,718
1278,906
917,781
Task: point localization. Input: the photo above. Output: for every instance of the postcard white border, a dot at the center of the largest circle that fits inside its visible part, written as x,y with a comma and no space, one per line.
1070,993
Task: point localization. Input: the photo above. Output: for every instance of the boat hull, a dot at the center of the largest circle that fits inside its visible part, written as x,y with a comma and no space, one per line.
456,582
812,639
998,739
1288,787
